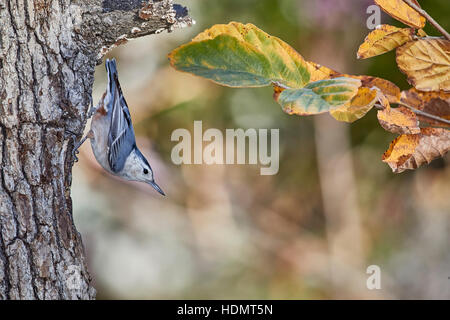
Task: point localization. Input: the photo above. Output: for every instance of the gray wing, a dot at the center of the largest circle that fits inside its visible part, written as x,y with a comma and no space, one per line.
121,139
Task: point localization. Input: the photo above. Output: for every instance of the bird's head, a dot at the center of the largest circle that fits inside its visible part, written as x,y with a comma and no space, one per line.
137,168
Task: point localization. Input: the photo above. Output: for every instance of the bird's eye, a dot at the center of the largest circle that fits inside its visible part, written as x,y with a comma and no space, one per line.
145,171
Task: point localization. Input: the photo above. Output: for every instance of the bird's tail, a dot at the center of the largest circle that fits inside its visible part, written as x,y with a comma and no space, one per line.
113,76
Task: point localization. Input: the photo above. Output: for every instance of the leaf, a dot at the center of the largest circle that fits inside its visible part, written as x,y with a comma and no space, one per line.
384,102
389,89
410,151
426,62
398,120
435,103
384,39
400,150
318,97
319,72
358,107
399,10
239,55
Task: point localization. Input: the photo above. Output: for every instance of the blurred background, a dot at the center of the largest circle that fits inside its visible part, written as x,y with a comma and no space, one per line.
225,231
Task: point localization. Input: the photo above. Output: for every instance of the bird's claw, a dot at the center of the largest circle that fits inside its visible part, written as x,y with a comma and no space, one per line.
92,108
74,155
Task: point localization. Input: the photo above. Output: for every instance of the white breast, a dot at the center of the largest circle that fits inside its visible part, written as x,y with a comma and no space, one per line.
100,129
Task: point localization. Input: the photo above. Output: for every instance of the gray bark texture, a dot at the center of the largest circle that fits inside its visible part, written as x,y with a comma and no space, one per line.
48,52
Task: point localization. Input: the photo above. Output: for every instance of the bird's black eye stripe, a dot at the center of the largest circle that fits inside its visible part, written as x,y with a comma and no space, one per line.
145,171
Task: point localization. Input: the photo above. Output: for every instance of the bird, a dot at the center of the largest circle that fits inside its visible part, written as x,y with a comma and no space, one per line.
112,135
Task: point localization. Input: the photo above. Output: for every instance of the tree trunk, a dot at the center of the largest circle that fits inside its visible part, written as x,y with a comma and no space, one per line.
48,52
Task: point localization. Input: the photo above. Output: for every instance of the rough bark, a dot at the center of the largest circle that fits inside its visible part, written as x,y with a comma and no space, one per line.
48,51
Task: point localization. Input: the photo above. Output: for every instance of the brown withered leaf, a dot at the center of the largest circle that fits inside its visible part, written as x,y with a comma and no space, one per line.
399,10
410,151
398,120
435,103
384,39
426,62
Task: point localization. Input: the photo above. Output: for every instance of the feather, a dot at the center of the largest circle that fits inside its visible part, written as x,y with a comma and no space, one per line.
121,139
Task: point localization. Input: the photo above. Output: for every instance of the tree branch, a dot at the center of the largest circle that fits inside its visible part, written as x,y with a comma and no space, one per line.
429,18
110,23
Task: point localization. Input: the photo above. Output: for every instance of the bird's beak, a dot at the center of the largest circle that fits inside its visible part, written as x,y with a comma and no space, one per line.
156,187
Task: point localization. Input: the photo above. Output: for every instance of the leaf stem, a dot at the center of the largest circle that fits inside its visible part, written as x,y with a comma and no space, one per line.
280,85
429,18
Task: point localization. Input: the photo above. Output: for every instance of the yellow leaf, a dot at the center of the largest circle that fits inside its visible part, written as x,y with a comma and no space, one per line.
410,151
426,62
436,103
399,10
383,39
400,150
319,72
398,120
383,100
358,107
389,89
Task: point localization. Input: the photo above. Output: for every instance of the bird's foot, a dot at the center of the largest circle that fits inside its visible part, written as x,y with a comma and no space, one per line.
92,108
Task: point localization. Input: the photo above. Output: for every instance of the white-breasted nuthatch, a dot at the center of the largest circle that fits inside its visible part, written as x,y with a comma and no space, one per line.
112,135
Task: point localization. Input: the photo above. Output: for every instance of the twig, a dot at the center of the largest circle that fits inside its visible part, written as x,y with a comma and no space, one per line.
424,114
428,17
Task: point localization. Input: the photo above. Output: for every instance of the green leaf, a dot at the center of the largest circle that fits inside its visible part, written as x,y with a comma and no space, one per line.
319,97
239,55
